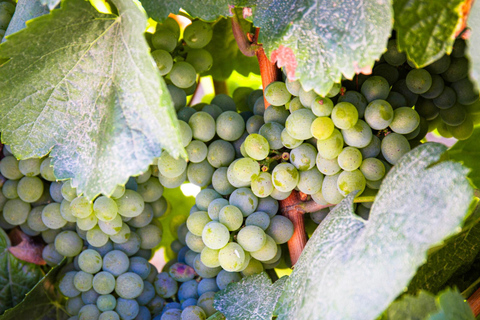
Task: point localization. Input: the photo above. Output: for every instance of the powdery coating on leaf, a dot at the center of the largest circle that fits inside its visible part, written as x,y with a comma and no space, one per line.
253,297
50,3
284,57
83,83
426,29
474,43
328,38
209,10
25,10
362,266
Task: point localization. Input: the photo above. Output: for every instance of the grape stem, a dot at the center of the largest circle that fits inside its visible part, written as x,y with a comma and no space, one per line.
245,46
289,208
474,302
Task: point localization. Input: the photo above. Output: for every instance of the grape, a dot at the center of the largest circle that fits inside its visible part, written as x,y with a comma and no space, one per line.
209,257
372,149
206,303
213,110
457,70
396,99
197,151
454,116
322,107
165,286
83,281
46,170
197,221
207,285
349,181
293,86
67,286
387,71
198,34
276,93
68,244
224,278
272,132
35,221
307,97
254,124
462,131
379,114
394,146
230,126
256,146
143,219
259,106
298,124
159,207
288,141
200,59
118,192
81,208
203,126
116,262
51,256
215,206
9,189
194,242
276,114
331,147
359,136
51,215
220,153
200,174
231,256
193,313
105,209
259,219
419,81
188,290
163,60
150,236
267,251
106,302
375,88
131,246
310,181
179,99
164,39
89,311
245,200
89,222
322,128
231,217
68,192
268,205
344,115
279,195
327,166
127,309
29,167
73,305
90,261
465,91
280,229
373,169
446,99
147,294
303,157
55,191
96,237
426,108
111,227
9,168
405,120
401,87
393,56
436,88
330,192
439,66
243,169
130,204
251,238
285,177
225,102
294,105
151,190
215,235
262,185
350,159
129,285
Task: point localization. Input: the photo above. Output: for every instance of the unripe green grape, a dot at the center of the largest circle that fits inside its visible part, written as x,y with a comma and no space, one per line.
30,189
272,132
322,128
16,211
104,282
293,87
285,177
267,251
276,93
280,195
66,211
303,157
419,81
90,261
164,39
35,221
52,216
183,74
230,126
68,192
200,174
215,235
231,217
213,110
379,114
203,126
87,223
209,257
310,181
393,56
396,100
372,149
307,97
349,181
197,151
462,131
405,120
129,285
257,146
298,124
359,135
198,34
394,146
436,88
446,99
83,281
9,189
46,170
231,257
322,107
454,116
331,147
81,207
197,221
288,141
344,115
29,167
262,185
254,267
220,181
220,153
245,168
9,168
276,114
111,227
106,302
465,90
105,208
350,159
330,191
427,109
150,236
457,70
68,244
387,71
151,190
373,169
200,59
375,88
245,200
163,60
327,166
96,237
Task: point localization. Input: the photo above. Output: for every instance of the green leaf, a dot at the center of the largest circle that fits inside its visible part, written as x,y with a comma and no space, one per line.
253,297
448,305
209,10
42,302
353,269
24,11
473,42
319,41
216,316
17,277
426,29
226,55
468,152
83,83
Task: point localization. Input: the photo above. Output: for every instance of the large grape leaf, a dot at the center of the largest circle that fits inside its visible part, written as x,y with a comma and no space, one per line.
17,277
468,152
43,302
426,29
353,269
318,41
24,11
208,10
474,43
252,298
83,83
226,55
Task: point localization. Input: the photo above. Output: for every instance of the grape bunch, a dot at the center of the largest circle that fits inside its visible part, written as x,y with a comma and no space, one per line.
7,9
441,93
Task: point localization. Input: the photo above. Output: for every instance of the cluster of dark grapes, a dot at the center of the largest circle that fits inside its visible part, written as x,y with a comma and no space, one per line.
7,9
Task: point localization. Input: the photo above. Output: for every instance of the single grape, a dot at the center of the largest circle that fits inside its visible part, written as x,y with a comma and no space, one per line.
401,87
127,309
462,131
330,191
200,59
299,123
231,256
322,128
327,166
131,204
9,168
454,116
446,99
373,169
387,71
165,286
457,70
350,159
215,235
35,221
197,221
178,96
322,107
331,147
151,190
29,167
9,189
83,281
349,181
359,135
310,181
405,120
465,90
51,215
245,200
90,261
393,56
150,236
220,153
394,146
68,244
307,97
439,66
231,217
379,114
372,149
375,88
288,141
254,124
230,126
257,146
81,207
419,81
129,285
69,192
262,185
276,93
96,237
396,100
163,60
198,34
209,257
267,251
426,108
67,286
203,126
303,157
164,39
200,174
205,301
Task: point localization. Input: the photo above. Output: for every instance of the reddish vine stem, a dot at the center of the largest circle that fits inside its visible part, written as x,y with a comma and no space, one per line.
474,302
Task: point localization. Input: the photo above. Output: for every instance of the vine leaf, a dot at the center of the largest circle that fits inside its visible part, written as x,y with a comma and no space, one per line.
473,45
319,42
468,152
25,247
448,305
209,10
24,11
252,298
42,302
17,277
353,269
50,3
83,83
226,55
426,29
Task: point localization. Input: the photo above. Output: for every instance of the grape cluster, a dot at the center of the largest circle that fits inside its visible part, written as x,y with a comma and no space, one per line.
441,93
7,9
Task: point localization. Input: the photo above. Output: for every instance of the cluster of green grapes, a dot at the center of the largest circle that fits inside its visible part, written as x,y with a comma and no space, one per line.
441,93
7,9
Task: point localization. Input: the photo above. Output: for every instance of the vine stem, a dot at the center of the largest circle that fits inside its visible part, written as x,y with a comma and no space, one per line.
289,208
474,302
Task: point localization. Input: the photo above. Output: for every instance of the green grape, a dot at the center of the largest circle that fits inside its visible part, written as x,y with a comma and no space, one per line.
259,107
322,107
401,87
276,93
254,267
436,88
127,309
322,128
244,169
230,126
294,105
245,200
55,192
375,88
144,218
193,313
66,285
231,217
224,278
285,177
457,70
372,149
203,126
52,216
220,153
35,221
405,120
379,114
9,189
118,192
164,39
103,282
96,237
465,90
358,136
394,146
276,114
105,209
9,168
151,190
29,167
256,146
81,207
288,141
215,206
185,113
30,189
298,124
73,305
267,251
334,90
254,124
129,285
46,170
344,115
242,96
355,98
231,257
280,229
393,56
439,66
83,281
310,181
200,59
220,181
262,185
454,116
426,108
87,223
164,61
202,270
387,71
443,130
116,263
396,100
15,212
272,132
170,24
462,131
198,34
110,227
197,151
68,192
215,235
280,195
307,97
106,302
293,87
131,204
373,169
349,181
419,81
179,97
350,159
68,244
185,132
194,243
197,221
183,75
327,166
330,191
446,99
303,157
90,261
213,110
225,102
209,257
268,205
331,147
200,174
150,236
